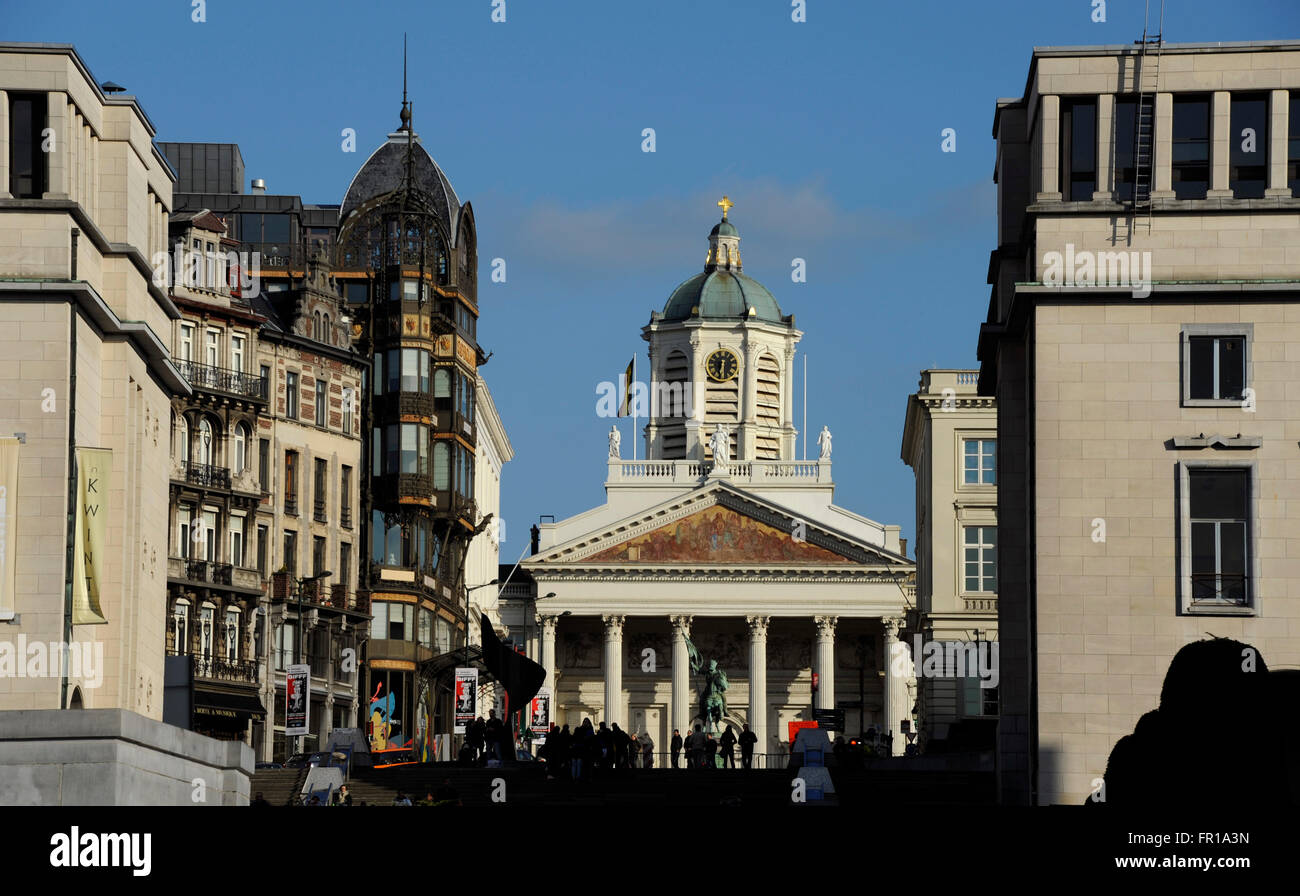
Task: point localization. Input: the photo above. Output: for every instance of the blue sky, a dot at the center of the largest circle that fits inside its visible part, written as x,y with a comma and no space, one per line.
826,134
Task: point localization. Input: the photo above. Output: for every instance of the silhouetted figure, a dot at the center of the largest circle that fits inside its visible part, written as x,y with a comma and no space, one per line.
259,800
619,738
695,748
728,744
676,746
1166,762
747,741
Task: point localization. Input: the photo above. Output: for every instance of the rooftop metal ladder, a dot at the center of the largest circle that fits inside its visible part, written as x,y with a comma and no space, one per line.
1147,78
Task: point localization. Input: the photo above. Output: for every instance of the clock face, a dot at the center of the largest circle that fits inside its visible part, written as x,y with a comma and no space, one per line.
721,366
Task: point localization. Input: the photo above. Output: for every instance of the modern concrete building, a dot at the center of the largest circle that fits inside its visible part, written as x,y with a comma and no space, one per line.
950,442
86,385
1140,344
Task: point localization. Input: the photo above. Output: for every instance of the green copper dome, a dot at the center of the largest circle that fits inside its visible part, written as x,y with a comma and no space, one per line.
721,291
722,294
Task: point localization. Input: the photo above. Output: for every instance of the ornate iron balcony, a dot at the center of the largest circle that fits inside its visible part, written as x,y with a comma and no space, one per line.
221,379
206,474
208,571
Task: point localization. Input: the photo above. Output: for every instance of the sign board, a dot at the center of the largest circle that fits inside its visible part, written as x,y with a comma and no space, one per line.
829,718
297,700
539,716
466,698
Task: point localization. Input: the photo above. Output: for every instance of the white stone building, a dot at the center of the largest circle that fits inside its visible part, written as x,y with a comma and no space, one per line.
746,555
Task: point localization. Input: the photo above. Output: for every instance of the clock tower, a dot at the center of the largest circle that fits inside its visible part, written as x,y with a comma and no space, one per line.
721,351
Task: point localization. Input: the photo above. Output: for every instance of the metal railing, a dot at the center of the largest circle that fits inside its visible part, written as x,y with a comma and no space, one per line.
215,668
207,475
1220,588
318,511
222,379
291,506
345,518
665,760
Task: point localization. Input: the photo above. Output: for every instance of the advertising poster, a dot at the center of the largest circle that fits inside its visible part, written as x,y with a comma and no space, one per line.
539,716
466,698
297,694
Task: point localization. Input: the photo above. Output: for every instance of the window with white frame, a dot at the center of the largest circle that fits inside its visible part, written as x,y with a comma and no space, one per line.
979,461
1216,364
237,540
212,347
1216,525
187,342
231,633
242,438
184,531
237,344
181,626
980,544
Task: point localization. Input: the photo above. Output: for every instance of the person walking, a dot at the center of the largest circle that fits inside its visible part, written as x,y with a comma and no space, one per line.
728,744
747,741
676,746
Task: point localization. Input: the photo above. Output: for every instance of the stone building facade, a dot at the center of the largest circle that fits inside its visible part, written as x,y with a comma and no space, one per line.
1140,346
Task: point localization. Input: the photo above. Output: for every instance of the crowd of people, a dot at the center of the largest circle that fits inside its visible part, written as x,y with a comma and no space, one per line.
487,742
576,753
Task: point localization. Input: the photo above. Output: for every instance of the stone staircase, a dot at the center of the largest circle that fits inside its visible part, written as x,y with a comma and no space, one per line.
279,786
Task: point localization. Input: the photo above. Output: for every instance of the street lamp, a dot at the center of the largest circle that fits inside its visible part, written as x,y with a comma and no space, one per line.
297,648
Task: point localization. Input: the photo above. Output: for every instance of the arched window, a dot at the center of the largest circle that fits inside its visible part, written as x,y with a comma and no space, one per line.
231,633
181,627
327,335
205,441
183,443
207,612
240,459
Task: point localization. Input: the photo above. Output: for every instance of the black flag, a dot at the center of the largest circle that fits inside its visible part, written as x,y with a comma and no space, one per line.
521,677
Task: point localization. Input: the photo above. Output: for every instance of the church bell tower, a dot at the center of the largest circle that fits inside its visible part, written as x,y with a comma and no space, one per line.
722,352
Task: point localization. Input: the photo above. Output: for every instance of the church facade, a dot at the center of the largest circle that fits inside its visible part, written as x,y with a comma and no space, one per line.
722,547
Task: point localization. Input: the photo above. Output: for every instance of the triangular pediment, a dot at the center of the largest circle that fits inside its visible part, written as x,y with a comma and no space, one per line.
717,525
717,534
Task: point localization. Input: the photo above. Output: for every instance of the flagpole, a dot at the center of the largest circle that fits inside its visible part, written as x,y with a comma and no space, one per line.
805,405
633,388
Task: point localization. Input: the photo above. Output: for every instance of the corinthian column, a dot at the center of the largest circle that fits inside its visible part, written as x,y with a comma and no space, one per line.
897,664
681,710
548,652
613,668
825,661
758,679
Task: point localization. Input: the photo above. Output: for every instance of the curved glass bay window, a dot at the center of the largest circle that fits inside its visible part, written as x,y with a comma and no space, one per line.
407,541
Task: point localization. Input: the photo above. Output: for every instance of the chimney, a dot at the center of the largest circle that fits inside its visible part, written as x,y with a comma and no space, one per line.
259,185
902,546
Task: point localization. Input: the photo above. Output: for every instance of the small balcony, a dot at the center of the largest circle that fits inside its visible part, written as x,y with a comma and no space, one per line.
205,475
291,506
222,380
209,572
318,511
212,668
345,518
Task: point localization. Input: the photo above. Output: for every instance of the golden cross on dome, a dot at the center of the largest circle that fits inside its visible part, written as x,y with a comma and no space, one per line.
726,206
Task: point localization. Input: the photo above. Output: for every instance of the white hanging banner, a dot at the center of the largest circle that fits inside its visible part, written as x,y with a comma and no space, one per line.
8,526
90,556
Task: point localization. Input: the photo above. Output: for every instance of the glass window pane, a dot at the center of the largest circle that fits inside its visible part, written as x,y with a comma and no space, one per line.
1201,364
1232,366
1219,494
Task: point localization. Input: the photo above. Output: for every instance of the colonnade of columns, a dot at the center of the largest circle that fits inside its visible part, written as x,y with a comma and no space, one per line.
683,706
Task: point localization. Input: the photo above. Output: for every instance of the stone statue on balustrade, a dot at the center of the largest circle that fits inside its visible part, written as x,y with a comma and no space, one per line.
720,445
615,440
824,443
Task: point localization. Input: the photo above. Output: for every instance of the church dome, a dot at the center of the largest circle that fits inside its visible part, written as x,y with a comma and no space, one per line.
721,291
722,294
